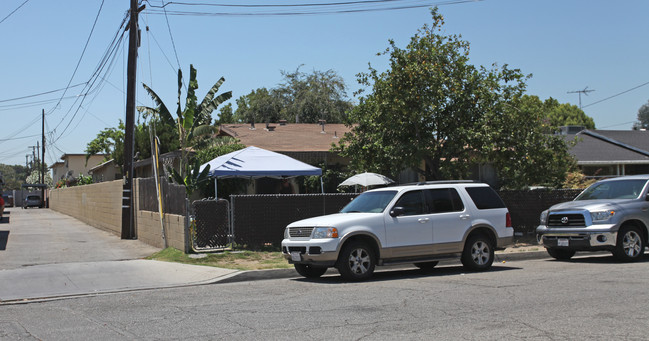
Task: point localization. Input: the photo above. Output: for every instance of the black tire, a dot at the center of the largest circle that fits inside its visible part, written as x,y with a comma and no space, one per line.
426,266
356,261
560,254
630,245
478,254
310,271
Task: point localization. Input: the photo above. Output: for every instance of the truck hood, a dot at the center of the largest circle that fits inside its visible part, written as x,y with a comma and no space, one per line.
336,220
589,205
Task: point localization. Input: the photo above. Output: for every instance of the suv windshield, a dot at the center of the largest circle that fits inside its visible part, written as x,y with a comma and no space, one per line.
621,189
370,202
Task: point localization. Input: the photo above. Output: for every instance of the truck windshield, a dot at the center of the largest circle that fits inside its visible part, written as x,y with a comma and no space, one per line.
370,202
620,189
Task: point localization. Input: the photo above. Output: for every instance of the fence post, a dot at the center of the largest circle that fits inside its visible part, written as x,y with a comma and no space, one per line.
188,236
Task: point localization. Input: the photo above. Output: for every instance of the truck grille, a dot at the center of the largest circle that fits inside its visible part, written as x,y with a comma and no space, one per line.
297,232
566,220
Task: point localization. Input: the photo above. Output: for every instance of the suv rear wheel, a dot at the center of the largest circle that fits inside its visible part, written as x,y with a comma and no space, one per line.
356,261
478,254
630,245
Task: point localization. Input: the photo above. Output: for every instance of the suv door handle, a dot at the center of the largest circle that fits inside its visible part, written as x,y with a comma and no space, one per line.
464,216
423,220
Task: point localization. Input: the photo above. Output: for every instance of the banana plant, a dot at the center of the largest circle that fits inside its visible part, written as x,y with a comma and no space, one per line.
193,116
194,178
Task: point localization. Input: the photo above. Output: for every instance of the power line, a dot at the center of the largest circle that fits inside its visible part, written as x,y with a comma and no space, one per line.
315,11
82,52
618,94
14,11
40,93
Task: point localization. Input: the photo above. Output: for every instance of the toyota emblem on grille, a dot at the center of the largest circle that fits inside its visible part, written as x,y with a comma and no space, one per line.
564,220
299,231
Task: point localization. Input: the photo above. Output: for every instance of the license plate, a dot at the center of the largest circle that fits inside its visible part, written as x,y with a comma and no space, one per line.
296,256
562,242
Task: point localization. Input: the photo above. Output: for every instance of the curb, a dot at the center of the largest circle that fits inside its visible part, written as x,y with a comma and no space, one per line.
258,275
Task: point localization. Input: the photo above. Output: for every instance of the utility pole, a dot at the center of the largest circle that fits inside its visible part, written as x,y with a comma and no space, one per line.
43,159
585,92
131,76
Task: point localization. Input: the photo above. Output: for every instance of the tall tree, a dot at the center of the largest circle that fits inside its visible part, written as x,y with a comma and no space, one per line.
308,98
260,105
433,107
643,117
564,114
193,116
226,114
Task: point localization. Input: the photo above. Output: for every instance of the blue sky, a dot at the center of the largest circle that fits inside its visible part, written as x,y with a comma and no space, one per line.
567,45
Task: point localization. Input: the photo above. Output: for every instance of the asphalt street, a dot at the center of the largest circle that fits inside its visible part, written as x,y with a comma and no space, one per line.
47,255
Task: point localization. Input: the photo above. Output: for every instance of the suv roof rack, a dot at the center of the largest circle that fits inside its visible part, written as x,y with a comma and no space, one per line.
444,182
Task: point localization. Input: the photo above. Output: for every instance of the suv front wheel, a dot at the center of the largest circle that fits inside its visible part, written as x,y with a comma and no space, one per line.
478,254
356,261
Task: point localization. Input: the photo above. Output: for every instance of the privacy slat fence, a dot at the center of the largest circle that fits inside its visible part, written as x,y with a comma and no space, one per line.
258,221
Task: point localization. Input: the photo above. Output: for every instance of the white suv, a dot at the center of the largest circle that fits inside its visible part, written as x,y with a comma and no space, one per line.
418,224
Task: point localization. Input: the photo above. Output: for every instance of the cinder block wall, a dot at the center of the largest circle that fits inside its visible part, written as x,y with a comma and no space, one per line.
100,205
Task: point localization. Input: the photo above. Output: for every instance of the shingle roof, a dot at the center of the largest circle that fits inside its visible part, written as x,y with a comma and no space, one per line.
300,137
601,147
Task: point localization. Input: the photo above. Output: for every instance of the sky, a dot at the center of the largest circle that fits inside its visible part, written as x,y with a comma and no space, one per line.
47,46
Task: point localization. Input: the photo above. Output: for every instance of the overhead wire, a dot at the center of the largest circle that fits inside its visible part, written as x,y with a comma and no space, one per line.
618,94
83,52
14,11
91,87
312,9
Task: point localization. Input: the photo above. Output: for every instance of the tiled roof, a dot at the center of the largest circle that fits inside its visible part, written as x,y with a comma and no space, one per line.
300,137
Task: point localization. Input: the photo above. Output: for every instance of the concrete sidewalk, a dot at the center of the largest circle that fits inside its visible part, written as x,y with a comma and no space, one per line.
48,255
45,254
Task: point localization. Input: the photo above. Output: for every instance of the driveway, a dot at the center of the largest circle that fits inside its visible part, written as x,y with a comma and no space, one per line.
45,254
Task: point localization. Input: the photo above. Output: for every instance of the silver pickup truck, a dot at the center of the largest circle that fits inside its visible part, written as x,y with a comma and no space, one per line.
610,215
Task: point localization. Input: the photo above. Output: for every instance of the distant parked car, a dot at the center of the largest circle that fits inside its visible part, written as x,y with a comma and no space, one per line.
32,201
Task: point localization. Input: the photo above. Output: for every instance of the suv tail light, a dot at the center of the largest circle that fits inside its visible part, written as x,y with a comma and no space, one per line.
508,220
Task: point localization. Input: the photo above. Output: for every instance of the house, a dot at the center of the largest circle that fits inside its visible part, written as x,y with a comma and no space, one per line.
107,171
602,153
73,165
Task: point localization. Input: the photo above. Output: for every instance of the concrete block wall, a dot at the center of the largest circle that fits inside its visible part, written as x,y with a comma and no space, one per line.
100,205
149,230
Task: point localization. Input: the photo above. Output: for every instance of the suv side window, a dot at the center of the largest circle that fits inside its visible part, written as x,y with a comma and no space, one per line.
443,200
485,198
412,202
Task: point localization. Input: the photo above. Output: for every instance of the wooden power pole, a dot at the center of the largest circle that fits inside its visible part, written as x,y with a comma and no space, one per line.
128,230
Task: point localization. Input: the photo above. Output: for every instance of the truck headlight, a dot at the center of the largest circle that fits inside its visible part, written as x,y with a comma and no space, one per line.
544,217
325,232
602,215
286,235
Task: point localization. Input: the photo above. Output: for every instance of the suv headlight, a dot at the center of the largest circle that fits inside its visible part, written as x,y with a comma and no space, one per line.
325,232
602,215
544,217
286,235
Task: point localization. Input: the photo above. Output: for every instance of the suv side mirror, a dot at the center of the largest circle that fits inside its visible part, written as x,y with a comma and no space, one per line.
397,211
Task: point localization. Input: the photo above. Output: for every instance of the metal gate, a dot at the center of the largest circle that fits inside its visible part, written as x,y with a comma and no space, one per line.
210,225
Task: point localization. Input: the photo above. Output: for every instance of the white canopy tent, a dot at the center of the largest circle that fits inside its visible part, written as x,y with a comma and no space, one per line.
253,162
